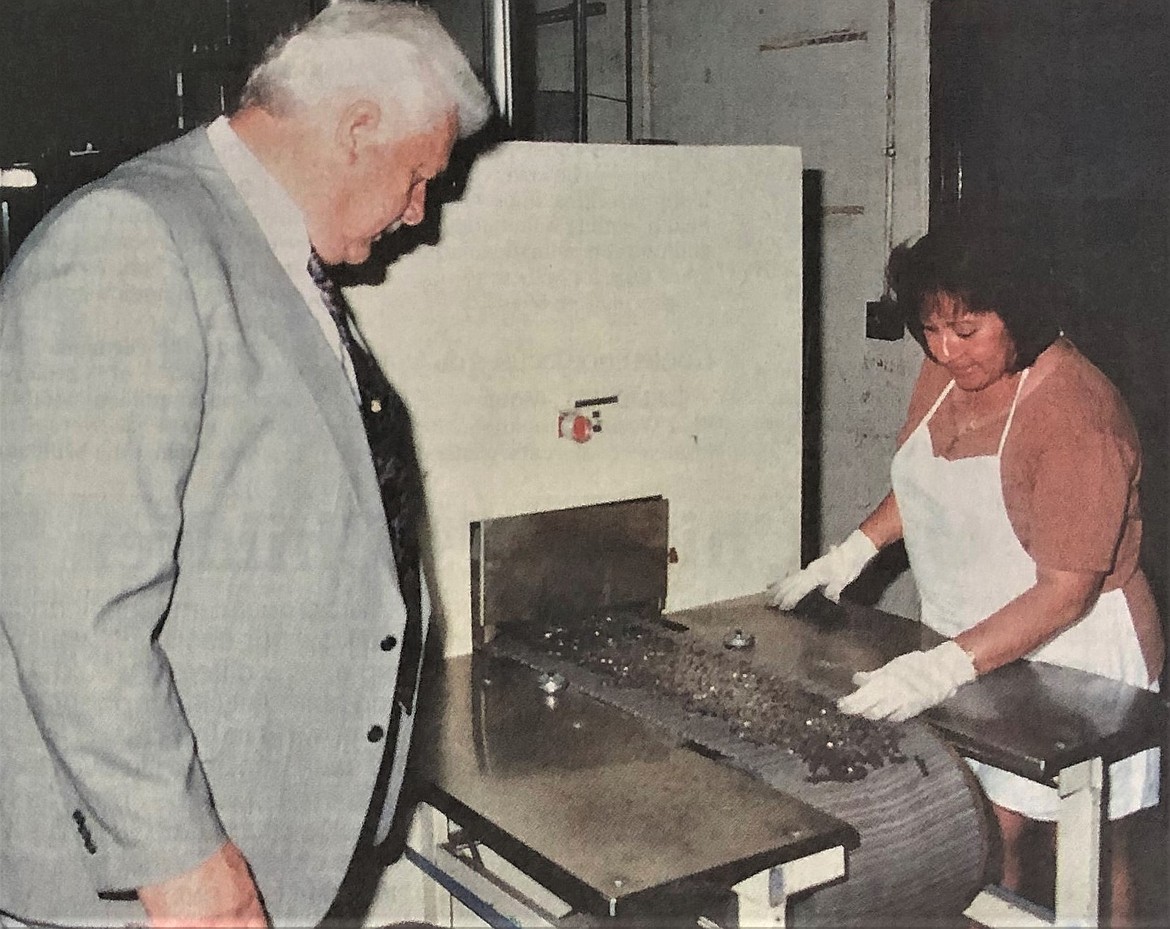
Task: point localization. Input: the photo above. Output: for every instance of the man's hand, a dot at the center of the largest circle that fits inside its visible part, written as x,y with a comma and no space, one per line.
219,892
909,684
833,571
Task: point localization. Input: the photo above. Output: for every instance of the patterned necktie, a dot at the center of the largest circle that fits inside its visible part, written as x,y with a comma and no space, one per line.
388,431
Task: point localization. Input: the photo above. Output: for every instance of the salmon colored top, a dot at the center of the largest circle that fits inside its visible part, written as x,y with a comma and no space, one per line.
1070,472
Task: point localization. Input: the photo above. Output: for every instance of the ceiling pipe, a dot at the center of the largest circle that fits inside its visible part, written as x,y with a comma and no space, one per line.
581,70
499,55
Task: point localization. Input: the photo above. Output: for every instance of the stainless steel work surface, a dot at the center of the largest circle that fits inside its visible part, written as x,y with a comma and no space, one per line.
1030,718
597,805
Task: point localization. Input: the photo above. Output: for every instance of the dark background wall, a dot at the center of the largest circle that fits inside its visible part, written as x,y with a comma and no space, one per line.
1054,113
84,84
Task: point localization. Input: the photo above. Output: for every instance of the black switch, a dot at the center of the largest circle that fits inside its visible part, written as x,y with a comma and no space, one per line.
882,320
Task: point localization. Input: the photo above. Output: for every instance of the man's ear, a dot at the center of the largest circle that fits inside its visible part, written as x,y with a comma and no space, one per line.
358,126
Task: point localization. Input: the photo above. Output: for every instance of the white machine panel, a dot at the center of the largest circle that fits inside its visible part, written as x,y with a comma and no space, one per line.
668,277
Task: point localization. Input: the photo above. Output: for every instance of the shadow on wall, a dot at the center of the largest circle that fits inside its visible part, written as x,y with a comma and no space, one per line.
868,589
448,187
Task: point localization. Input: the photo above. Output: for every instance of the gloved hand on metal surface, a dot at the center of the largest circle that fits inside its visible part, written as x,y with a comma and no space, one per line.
833,571
911,683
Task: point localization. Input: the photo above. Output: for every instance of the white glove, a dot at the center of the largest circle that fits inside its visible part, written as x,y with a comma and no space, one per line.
833,571
909,684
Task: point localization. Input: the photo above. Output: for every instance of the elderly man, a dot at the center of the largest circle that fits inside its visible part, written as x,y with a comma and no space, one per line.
210,639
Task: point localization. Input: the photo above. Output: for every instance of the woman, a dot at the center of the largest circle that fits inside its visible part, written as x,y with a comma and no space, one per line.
1015,488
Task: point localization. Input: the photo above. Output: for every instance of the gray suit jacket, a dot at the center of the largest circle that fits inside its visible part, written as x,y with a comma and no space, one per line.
197,593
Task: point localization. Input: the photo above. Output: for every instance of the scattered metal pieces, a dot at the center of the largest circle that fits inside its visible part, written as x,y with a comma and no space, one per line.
757,707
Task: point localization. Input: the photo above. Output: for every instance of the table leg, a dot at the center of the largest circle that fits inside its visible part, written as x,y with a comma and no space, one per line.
1078,860
1078,843
763,897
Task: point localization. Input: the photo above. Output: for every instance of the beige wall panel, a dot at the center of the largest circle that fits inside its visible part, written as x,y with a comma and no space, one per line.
668,276
815,75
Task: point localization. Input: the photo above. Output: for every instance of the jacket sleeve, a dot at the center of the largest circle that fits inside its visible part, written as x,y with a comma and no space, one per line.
102,371
1083,490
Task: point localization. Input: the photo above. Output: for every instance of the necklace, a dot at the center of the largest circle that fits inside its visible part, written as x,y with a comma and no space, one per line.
971,412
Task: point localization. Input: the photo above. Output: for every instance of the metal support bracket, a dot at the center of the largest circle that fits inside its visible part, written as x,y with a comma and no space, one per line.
455,863
763,897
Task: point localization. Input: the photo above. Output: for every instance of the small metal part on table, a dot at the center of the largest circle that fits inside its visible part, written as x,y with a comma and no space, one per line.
738,639
551,682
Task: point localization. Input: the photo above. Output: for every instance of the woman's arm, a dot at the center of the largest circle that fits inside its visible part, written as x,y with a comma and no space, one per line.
884,525
1056,601
841,564
916,681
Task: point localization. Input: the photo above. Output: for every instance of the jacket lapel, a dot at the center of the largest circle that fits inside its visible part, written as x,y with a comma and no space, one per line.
297,335
268,302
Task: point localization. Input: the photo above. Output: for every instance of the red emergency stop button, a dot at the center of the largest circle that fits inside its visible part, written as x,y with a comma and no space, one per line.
582,428
576,426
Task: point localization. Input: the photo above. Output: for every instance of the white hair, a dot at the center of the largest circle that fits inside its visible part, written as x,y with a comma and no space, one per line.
398,54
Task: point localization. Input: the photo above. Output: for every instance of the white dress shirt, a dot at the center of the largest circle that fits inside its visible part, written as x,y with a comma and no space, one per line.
283,226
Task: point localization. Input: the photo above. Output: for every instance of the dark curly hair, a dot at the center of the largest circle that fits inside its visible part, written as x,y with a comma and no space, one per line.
992,269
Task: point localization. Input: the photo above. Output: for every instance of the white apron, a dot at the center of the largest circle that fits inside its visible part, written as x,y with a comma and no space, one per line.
968,563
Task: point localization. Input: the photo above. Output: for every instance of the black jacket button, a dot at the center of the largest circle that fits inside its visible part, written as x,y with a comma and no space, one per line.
388,643
376,734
